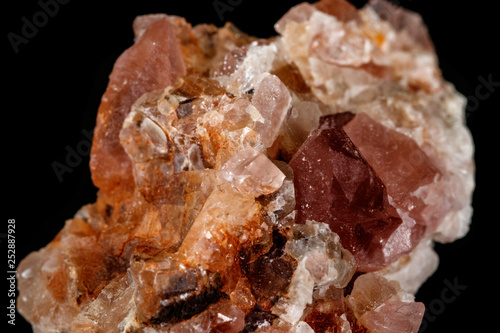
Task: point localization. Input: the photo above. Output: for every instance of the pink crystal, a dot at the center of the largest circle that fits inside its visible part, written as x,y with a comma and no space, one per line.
252,172
403,20
299,13
404,173
135,72
334,184
405,169
394,317
273,101
382,306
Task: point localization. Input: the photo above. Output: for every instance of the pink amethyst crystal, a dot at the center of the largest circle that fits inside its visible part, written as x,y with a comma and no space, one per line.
290,184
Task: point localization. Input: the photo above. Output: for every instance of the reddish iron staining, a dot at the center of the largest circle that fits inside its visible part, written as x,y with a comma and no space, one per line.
291,76
57,284
136,72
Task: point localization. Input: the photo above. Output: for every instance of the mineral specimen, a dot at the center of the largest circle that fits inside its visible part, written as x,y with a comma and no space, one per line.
291,184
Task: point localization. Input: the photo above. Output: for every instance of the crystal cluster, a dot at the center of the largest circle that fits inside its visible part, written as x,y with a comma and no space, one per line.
290,184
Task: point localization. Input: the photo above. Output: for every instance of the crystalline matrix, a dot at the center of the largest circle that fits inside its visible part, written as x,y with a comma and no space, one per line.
291,184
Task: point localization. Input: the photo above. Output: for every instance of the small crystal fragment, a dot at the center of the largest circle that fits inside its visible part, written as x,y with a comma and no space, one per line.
394,317
381,306
272,100
252,172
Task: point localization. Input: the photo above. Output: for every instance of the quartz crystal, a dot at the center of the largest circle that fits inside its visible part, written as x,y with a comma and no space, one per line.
290,184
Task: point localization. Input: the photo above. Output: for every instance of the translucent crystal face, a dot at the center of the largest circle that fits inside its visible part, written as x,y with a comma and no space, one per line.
291,184
249,171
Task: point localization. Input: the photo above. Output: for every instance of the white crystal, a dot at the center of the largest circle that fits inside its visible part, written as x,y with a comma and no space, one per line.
412,271
300,292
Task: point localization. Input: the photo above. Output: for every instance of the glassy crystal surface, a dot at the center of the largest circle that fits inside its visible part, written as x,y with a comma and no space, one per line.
290,184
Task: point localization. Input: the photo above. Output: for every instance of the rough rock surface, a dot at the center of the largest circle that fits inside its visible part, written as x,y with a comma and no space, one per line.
294,184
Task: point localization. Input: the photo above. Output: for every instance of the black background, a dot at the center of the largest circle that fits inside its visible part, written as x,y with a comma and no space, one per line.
53,85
